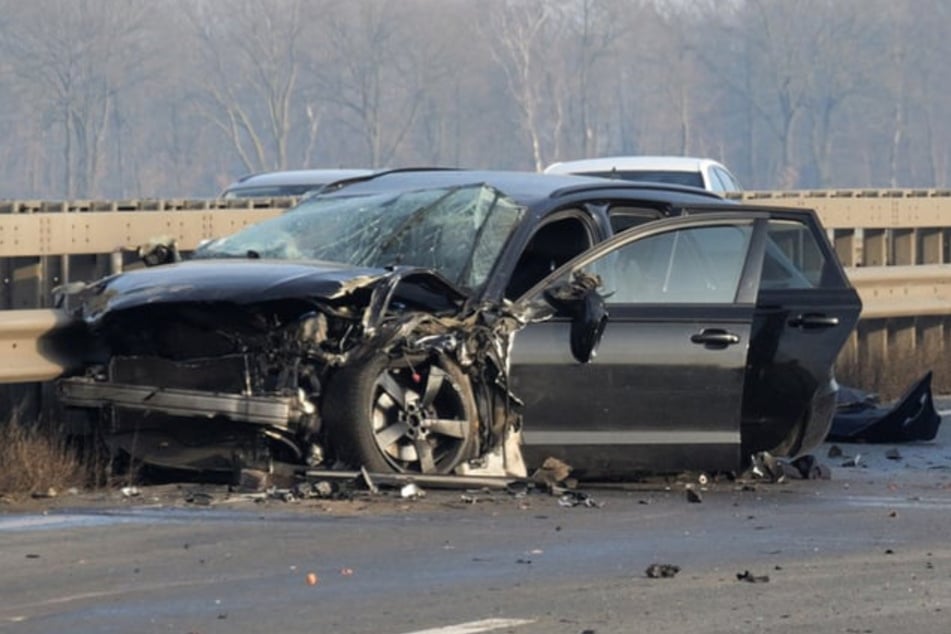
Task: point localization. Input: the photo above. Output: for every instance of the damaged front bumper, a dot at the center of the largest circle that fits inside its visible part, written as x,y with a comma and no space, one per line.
275,411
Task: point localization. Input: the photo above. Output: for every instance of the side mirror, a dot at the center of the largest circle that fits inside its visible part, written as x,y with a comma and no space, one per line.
587,326
582,302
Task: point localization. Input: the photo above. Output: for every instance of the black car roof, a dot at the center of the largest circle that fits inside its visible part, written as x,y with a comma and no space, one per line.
526,188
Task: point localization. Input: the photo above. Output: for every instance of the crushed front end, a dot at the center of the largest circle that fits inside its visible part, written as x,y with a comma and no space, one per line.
192,370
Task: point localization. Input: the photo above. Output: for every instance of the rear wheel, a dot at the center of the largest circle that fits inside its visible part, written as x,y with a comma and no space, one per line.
409,415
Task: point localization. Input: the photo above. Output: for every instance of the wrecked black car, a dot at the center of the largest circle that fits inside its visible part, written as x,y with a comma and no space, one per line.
476,322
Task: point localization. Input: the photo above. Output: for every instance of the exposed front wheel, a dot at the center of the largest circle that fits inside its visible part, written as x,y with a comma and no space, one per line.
410,415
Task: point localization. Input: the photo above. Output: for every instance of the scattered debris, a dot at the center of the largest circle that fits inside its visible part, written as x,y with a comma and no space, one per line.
853,461
369,481
48,493
693,495
199,498
749,577
552,472
571,499
808,468
893,454
311,579
859,418
834,452
411,491
252,480
662,571
766,466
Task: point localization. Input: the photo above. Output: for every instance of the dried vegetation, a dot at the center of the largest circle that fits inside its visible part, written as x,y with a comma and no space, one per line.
39,460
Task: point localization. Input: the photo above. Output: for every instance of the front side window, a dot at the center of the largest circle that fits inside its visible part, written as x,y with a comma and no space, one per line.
458,231
694,265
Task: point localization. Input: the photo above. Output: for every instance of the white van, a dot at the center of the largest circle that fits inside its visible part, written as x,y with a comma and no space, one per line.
682,170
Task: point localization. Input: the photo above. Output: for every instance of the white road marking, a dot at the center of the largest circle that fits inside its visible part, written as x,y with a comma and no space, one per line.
944,412
473,627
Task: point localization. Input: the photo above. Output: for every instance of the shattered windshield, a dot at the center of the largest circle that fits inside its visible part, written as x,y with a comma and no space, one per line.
458,231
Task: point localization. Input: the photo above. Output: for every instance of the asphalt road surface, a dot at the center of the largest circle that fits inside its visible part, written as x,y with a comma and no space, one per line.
865,551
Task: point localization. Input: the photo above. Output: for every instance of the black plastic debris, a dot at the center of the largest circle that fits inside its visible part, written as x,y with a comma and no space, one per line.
808,468
859,418
835,451
749,577
571,499
693,495
199,498
662,571
893,454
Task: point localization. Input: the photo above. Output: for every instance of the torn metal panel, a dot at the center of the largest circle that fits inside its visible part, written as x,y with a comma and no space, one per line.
262,349
913,416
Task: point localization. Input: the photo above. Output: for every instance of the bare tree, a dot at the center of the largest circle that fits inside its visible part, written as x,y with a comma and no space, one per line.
377,70
252,50
73,60
520,33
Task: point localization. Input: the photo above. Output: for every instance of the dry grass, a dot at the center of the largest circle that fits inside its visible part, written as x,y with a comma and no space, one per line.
38,459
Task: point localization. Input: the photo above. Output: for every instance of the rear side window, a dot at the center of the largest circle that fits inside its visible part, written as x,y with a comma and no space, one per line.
795,260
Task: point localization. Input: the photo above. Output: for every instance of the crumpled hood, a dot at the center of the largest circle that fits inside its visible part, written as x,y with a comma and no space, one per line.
232,281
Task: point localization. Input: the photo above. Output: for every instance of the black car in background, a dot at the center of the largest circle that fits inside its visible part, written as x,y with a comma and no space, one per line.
477,322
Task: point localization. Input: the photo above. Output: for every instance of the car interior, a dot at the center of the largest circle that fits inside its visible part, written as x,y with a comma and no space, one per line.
552,245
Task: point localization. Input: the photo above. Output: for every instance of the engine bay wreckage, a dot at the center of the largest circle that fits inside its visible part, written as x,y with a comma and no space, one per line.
281,376
220,362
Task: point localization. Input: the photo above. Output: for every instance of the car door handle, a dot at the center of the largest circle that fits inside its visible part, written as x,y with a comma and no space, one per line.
809,321
715,337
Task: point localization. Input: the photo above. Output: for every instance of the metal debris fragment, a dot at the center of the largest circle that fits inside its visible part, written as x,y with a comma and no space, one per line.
199,498
570,499
749,577
855,461
662,571
368,480
552,472
411,491
809,468
767,467
253,480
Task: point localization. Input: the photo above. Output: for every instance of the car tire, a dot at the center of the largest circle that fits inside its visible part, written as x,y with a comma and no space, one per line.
403,414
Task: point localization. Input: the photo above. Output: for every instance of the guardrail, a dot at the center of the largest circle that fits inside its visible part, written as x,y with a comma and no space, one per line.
894,244
22,336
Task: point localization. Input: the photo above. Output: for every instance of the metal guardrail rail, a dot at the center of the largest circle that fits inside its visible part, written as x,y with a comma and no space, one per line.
895,244
886,292
22,350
